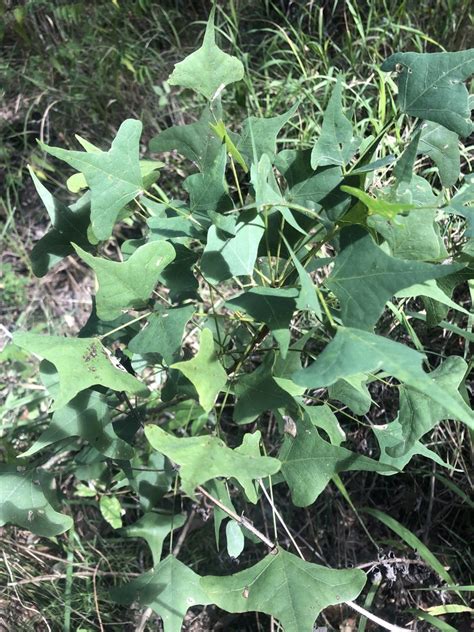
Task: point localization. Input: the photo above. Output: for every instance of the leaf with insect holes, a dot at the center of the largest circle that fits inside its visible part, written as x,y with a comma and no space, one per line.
206,457
81,363
354,351
419,414
122,285
204,371
69,224
154,529
25,503
284,586
169,589
364,278
113,177
336,144
208,68
442,146
88,417
308,463
430,87
272,306
261,134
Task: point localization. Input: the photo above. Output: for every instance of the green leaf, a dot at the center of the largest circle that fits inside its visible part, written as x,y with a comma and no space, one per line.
111,511
336,144
430,87
203,458
442,146
208,68
86,416
122,285
364,278
285,587
376,206
154,528
323,417
250,447
258,392
415,236
419,414
163,333
390,435
355,351
23,503
431,290
169,589
308,463
113,177
353,392
208,191
272,306
69,224
196,141
259,135
415,543
225,257
235,539
204,371
220,130
462,204
81,363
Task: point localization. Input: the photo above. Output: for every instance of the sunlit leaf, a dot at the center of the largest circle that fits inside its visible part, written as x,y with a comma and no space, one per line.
206,457
113,177
430,86
208,68
81,363
126,284
204,371
286,587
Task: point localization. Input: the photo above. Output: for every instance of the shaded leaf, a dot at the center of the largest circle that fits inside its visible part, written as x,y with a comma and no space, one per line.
235,539
204,371
442,146
208,191
113,177
353,392
308,463
225,257
286,587
258,392
69,224
196,141
323,417
336,144
355,351
378,206
364,278
81,363
203,458
154,529
170,589
23,503
272,306
126,284
430,87
208,68
163,333
86,416
260,134
390,435
419,414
